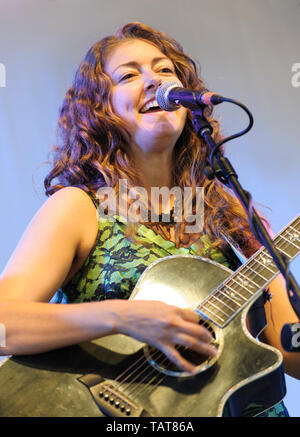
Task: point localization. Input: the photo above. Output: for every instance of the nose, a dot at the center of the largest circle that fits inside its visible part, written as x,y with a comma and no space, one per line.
152,82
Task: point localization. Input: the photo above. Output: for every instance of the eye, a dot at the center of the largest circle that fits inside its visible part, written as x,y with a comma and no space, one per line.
166,70
126,77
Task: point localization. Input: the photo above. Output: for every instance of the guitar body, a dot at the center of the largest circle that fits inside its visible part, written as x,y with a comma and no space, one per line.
246,376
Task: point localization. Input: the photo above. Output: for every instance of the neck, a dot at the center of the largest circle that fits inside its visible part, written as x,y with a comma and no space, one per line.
155,170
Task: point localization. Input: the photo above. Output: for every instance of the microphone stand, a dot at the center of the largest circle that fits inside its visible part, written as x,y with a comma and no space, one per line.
227,174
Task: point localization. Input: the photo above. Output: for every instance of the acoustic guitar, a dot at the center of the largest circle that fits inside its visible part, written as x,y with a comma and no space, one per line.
121,377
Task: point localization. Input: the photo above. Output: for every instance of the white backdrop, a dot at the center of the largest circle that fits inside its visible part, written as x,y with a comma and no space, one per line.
247,50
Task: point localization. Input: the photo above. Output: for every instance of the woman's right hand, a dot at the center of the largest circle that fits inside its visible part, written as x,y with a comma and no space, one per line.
165,326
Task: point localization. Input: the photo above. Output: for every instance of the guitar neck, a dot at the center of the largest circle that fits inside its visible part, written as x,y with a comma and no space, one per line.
247,282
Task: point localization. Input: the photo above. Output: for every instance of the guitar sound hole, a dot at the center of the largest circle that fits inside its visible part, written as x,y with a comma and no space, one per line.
159,361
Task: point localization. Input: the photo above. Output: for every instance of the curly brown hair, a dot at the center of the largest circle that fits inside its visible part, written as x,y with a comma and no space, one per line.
94,141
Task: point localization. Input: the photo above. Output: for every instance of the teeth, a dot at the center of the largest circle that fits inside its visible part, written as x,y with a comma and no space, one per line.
149,105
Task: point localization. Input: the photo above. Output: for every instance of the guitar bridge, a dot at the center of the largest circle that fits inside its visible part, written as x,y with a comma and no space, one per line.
114,403
111,401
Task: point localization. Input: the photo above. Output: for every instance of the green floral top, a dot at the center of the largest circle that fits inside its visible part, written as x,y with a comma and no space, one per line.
115,264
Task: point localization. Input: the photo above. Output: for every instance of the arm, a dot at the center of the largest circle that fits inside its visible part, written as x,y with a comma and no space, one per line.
57,237
279,312
52,243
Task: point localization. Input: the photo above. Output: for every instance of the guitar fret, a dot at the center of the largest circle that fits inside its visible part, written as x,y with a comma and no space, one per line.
265,279
235,292
223,303
225,314
265,267
246,280
266,260
295,230
266,254
291,242
260,269
231,298
290,239
243,285
283,251
199,308
292,235
295,223
290,248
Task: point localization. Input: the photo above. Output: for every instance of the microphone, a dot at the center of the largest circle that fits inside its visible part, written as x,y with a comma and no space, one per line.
170,95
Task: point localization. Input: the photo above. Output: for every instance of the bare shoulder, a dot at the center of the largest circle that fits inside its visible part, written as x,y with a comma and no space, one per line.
55,243
75,207
69,200
71,196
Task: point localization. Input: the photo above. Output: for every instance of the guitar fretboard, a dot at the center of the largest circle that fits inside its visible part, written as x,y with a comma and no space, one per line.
245,285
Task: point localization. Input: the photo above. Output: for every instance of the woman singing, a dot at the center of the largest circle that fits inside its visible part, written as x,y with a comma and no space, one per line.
112,130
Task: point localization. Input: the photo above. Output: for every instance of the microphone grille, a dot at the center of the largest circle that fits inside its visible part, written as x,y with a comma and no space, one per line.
162,94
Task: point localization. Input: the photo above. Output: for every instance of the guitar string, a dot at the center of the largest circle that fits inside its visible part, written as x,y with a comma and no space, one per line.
142,358
127,370
263,266
281,239
291,242
153,387
296,231
265,279
125,388
144,387
156,356
222,296
207,304
178,347
132,389
255,260
253,263
153,369
158,382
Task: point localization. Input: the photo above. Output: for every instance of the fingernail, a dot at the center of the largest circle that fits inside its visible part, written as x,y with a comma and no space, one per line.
213,351
193,371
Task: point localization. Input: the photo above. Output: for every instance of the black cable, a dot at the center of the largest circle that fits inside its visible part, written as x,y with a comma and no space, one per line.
218,173
237,135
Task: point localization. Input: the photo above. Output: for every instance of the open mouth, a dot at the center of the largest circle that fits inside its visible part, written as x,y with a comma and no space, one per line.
151,110
150,107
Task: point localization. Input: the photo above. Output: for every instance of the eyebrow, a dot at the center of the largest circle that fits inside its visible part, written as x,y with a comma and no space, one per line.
136,64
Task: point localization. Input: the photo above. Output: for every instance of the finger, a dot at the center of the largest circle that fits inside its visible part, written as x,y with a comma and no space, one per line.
194,330
174,356
196,345
189,315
